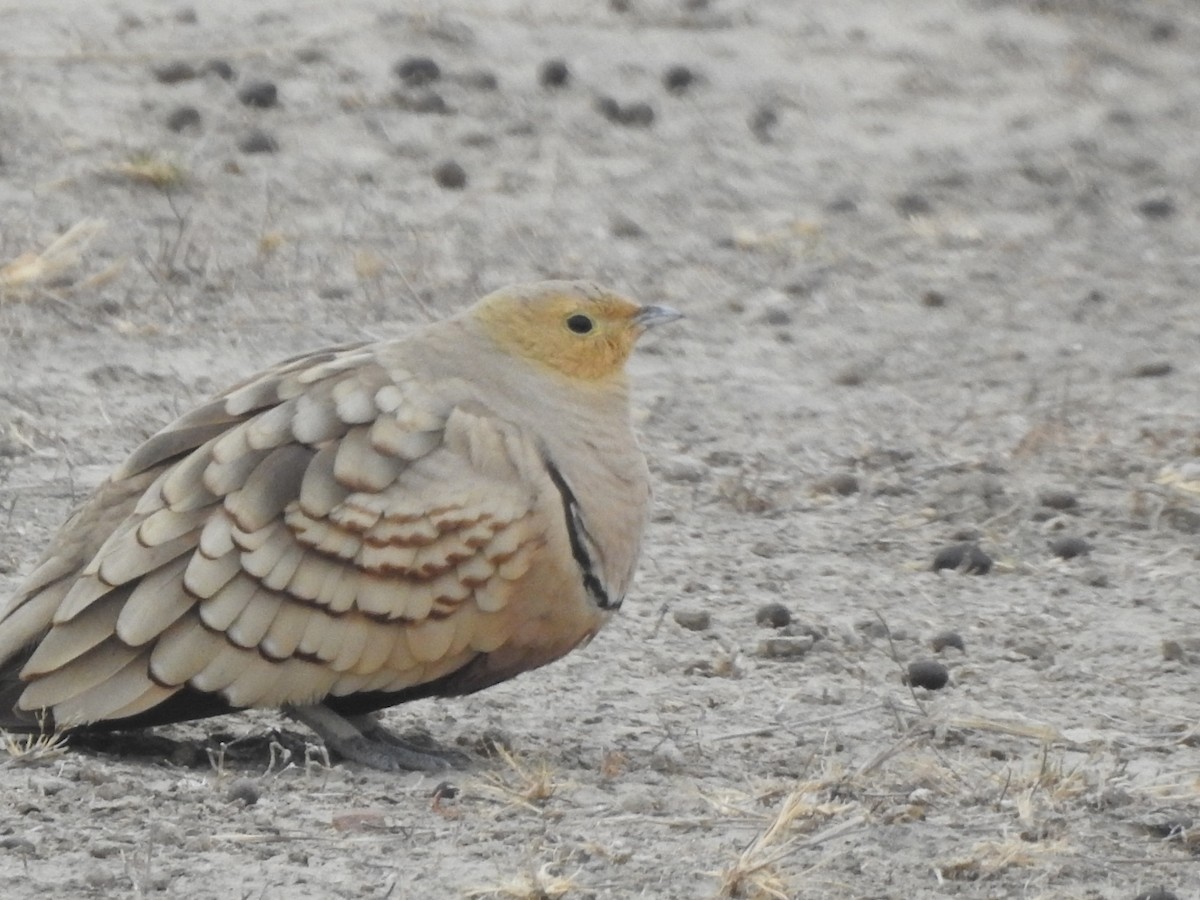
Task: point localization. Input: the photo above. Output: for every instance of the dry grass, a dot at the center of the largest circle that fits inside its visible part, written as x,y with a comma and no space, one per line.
270,242
544,884
1026,807
523,784
152,169
33,748
35,269
990,858
754,874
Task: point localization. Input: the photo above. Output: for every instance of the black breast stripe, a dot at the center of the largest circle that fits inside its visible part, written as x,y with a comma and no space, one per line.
575,531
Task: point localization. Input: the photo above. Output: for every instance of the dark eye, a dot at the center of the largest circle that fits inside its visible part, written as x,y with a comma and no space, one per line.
580,324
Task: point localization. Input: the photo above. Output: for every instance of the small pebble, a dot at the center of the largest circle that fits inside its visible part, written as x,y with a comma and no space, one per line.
875,629
1070,547
358,820
785,647
804,629
933,299
852,375
692,620
678,79
927,673
450,175
843,483
762,122
667,757
1172,651
773,615
220,68
17,843
258,141
416,71
244,789
481,80
966,556
624,227
945,639
1058,499
184,117
683,469
260,94
425,102
174,72
1159,893
554,74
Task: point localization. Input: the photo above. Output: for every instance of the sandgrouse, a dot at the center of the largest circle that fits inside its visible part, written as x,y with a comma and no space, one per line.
351,529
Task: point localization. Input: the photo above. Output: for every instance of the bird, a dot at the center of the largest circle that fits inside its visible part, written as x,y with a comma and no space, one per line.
351,529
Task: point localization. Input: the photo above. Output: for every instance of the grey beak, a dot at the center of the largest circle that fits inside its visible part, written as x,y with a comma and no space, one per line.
649,316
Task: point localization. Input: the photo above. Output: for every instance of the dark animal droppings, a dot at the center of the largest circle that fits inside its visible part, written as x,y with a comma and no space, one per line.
258,141
1070,547
220,68
1058,499
1157,208
639,115
416,71
762,121
945,639
184,117
554,74
913,205
451,175
260,94
1163,30
174,72
773,615
678,79
965,556
927,673
1153,369
609,108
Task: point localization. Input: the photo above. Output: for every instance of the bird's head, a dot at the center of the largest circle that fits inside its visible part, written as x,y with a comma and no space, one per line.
572,327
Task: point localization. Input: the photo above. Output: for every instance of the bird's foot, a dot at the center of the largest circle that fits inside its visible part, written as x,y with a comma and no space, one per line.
362,739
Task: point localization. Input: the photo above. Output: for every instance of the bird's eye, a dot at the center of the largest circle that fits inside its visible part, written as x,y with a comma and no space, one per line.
580,324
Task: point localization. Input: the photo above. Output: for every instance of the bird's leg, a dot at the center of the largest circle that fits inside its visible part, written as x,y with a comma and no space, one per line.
363,740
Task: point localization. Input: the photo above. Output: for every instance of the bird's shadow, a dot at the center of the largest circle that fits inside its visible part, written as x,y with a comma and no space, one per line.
273,748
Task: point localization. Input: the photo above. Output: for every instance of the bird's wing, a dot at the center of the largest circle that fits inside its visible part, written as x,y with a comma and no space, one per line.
331,527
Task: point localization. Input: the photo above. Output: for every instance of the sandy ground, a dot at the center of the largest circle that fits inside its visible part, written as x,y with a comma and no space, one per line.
939,262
